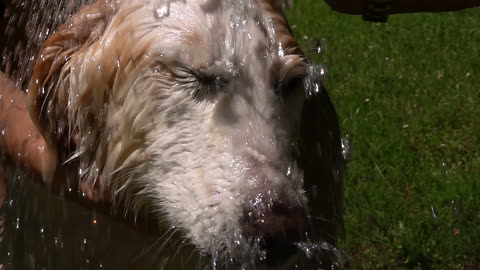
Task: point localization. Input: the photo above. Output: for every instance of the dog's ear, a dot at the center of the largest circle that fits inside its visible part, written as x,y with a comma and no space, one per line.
322,159
49,85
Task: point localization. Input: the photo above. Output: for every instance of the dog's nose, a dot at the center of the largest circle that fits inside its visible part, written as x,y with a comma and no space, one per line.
276,221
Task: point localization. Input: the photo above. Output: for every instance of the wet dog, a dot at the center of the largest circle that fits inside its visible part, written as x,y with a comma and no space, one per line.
204,113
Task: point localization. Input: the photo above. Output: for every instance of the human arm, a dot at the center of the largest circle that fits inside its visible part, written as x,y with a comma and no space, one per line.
23,144
19,138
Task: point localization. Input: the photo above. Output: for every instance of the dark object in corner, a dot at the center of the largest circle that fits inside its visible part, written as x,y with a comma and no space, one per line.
377,11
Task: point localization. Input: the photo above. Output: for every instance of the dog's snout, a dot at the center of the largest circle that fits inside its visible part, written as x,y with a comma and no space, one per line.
271,216
277,222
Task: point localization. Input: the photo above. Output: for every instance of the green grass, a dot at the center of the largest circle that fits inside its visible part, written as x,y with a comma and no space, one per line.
407,93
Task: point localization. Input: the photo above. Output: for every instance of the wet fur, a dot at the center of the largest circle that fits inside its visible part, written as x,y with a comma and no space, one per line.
97,79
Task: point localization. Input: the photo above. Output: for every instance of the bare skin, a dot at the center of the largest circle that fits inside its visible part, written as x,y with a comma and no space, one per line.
357,7
21,141
19,137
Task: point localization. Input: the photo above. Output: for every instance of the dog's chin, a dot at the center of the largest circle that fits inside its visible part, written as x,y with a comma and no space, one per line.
247,223
257,254
239,244
283,254
276,254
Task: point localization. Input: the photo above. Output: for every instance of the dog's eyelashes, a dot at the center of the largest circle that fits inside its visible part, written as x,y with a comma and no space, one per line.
207,86
210,80
202,85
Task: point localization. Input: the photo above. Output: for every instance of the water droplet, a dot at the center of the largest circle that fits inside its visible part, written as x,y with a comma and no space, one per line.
434,212
316,76
323,72
445,167
323,254
162,9
289,170
346,147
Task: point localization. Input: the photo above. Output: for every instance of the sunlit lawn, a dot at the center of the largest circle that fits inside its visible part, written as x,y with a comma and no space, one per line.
408,95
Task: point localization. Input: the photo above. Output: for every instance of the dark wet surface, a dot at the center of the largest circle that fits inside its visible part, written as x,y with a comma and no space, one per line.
45,231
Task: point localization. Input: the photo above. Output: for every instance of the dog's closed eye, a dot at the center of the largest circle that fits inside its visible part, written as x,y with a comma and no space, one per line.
209,85
203,85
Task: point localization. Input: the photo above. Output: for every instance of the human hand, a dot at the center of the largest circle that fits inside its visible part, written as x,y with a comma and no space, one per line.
23,144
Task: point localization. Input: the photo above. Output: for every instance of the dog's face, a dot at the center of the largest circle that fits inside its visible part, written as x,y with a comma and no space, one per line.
190,109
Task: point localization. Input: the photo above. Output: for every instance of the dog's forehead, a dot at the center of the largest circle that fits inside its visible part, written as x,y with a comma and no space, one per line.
202,33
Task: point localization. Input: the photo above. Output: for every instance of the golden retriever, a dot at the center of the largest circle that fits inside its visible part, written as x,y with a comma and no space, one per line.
202,112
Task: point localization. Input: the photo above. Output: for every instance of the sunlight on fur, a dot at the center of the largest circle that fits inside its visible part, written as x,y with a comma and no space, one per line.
195,110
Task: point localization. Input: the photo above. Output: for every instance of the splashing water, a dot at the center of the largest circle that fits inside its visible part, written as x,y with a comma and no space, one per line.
346,147
26,24
316,76
324,255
